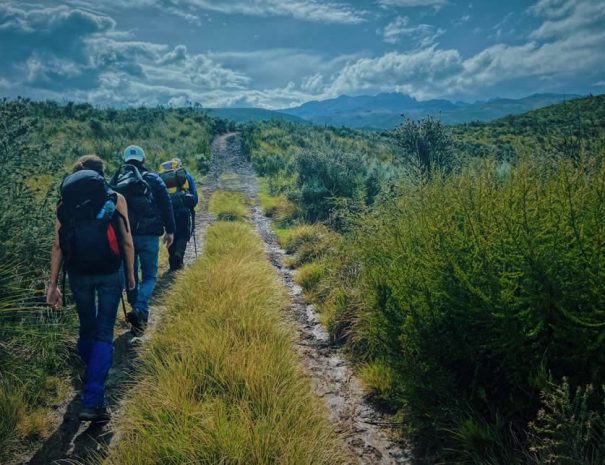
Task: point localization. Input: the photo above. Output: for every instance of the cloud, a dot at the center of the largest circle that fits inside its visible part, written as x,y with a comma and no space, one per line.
416,72
569,17
421,35
78,52
437,4
305,10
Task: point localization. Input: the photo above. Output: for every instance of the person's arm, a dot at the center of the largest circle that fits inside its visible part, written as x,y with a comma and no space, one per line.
192,189
165,204
53,294
127,243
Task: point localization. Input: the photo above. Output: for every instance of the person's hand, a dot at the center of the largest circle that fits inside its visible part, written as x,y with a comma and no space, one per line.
131,282
54,296
168,239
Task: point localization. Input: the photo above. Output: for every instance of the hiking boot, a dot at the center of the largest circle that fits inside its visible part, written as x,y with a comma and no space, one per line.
176,262
95,414
138,321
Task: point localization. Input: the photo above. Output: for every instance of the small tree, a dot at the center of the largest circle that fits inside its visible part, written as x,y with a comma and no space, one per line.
426,143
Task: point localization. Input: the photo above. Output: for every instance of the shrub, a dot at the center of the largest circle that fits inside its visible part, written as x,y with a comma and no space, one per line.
475,288
325,177
567,431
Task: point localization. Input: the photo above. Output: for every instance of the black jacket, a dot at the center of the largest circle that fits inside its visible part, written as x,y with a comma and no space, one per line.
164,220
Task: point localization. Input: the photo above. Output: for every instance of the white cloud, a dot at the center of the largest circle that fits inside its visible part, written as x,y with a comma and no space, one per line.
416,72
437,4
313,84
422,35
569,17
304,10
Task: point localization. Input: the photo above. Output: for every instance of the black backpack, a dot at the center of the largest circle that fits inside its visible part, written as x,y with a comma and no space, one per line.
89,241
131,183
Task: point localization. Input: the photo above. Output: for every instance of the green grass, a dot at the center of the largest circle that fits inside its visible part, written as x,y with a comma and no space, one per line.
229,206
219,380
307,243
282,211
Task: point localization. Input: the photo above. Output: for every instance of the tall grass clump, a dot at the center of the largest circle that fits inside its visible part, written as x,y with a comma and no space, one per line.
219,381
228,206
477,291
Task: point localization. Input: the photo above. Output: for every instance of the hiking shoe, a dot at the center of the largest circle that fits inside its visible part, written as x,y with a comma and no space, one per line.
176,262
94,414
138,321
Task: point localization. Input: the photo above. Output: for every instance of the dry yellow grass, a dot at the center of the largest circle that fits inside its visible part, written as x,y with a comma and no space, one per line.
228,206
219,381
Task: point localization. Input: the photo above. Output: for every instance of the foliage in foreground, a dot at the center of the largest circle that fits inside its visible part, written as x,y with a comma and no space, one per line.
477,289
219,382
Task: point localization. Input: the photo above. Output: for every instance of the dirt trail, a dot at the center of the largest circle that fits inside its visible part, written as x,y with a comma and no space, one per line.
331,377
365,430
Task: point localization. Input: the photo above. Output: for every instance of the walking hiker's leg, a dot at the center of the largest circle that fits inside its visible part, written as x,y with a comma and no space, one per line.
148,248
181,237
83,292
101,357
109,289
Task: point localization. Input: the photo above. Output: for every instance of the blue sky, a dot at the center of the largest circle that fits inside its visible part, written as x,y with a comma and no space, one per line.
280,53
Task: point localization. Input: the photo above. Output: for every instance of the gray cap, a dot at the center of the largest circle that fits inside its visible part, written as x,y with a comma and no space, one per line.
134,152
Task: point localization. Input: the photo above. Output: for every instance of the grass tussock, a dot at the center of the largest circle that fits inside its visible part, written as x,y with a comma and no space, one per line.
282,211
307,243
220,383
229,206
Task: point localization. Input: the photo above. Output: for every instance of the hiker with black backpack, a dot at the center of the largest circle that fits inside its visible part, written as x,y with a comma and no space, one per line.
151,215
94,245
183,193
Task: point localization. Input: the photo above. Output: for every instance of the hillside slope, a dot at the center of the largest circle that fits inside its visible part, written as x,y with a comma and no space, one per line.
245,115
576,124
384,111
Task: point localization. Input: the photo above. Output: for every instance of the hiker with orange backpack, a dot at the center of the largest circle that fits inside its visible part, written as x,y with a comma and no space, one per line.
183,194
94,245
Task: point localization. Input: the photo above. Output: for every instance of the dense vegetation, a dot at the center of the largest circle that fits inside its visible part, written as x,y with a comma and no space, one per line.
219,381
469,290
460,268
38,144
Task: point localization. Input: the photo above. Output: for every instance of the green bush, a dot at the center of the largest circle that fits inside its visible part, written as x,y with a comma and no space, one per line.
478,287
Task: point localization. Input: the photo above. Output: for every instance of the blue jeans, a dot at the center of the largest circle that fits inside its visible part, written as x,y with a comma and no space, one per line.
97,298
146,252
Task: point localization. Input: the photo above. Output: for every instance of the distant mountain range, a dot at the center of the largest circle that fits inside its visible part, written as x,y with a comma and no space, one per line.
384,111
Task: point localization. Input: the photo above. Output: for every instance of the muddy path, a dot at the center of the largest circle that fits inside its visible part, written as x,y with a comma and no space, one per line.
365,430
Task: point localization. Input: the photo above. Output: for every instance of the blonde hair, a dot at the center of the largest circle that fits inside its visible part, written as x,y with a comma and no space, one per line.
90,162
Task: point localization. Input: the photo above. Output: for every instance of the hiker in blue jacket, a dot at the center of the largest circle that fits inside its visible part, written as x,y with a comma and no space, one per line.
151,216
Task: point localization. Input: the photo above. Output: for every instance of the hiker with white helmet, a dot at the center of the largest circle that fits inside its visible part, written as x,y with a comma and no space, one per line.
151,215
